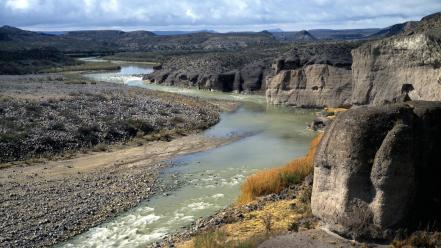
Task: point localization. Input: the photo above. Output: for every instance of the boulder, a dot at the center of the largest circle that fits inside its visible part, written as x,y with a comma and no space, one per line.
377,170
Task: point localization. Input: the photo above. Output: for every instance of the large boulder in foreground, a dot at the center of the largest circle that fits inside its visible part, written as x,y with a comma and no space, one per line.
377,170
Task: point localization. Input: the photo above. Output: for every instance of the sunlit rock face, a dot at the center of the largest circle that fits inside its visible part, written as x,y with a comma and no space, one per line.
317,85
376,170
410,63
312,75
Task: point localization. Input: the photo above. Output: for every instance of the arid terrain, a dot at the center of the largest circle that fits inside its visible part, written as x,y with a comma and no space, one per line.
77,152
56,184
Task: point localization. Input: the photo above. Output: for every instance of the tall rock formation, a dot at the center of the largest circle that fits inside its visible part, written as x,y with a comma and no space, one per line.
408,65
316,85
377,170
313,75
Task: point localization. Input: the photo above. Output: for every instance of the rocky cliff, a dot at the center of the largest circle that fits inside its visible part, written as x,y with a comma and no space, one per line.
225,71
316,85
376,170
408,65
405,66
313,75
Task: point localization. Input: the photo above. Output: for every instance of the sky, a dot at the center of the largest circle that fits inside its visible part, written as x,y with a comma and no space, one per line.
219,15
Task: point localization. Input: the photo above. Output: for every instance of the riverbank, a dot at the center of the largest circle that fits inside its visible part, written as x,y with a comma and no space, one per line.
52,201
60,178
53,115
273,210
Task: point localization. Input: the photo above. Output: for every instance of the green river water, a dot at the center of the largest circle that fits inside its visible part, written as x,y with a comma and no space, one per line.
274,135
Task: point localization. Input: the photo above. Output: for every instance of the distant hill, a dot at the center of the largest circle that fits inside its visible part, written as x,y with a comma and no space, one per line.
275,30
12,38
182,32
430,23
343,34
394,30
323,34
300,36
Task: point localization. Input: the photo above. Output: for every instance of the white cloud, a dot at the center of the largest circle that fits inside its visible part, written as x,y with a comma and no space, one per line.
110,6
191,14
211,14
17,4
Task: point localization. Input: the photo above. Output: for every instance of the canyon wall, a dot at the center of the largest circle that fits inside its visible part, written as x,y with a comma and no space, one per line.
406,66
389,70
313,75
221,71
310,86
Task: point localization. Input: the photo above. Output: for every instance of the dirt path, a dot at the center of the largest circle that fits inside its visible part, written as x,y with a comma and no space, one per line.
46,203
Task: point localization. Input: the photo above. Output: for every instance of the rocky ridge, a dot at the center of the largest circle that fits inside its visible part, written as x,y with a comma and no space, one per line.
404,66
225,71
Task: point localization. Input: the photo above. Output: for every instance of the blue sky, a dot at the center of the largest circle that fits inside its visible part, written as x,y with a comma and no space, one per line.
220,15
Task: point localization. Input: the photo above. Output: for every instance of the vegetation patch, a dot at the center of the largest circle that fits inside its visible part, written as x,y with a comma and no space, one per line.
276,179
28,61
88,66
419,239
45,118
285,208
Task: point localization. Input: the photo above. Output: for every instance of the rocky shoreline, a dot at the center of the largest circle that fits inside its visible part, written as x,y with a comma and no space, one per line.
49,202
49,115
54,195
234,214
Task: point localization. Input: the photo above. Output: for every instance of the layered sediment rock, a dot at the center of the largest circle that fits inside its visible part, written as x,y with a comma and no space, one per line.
376,170
311,86
406,66
313,75
387,70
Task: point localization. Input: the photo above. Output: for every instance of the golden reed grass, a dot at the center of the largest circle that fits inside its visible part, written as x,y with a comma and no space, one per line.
275,180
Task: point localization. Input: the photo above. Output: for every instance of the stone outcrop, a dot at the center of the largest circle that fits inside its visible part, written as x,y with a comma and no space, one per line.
387,70
405,66
225,72
314,75
311,86
377,170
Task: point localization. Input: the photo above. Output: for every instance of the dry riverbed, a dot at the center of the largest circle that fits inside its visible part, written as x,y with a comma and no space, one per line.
48,195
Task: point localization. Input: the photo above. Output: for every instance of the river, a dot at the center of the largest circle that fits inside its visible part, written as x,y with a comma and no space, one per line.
274,135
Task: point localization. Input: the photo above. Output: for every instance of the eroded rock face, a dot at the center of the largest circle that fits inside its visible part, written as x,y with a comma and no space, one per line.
377,170
381,69
316,85
221,72
313,75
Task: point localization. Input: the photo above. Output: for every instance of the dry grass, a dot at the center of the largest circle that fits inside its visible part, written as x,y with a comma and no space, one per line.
218,239
251,230
275,180
419,239
335,110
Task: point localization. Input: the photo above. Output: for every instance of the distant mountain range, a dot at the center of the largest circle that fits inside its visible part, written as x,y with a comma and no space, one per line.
105,41
12,38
